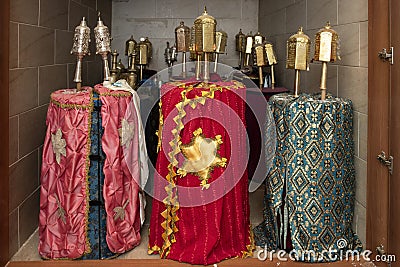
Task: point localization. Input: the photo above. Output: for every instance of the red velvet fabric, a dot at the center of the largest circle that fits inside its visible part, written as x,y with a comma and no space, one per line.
213,223
63,185
121,170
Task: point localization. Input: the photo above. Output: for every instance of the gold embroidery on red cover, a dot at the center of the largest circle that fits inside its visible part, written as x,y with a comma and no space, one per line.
201,157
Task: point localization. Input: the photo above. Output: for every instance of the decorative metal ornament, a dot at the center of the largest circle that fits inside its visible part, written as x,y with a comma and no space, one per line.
183,43
130,51
114,70
149,49
80,48
143,56
258,38
170,55
182,37
194,55
205,28
221,39
271,60
260,61
240,39
298,55
249,47
103,45
130,46
326,50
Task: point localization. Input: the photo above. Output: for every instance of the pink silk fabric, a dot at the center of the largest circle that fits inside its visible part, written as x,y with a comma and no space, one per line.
218,229
64,186
121,170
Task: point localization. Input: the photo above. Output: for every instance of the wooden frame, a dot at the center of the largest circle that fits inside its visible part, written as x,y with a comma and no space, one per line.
4,118
170,263
378,123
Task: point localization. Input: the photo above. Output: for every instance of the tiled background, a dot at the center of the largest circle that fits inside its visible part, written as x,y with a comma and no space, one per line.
347,78
41,34
157,19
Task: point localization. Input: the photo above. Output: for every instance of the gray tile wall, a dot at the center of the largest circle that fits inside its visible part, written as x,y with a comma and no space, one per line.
347,78
157,19
40,62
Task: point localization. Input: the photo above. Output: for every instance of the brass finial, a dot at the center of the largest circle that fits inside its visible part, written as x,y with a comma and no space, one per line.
205,9
328,25
301,29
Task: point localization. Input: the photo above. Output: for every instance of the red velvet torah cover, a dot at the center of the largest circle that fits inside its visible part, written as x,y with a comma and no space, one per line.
196,219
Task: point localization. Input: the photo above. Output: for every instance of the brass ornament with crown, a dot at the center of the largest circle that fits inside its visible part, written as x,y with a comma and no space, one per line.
103,45
298,55
221,38
205,30
271,60
240,41
80,48
326,50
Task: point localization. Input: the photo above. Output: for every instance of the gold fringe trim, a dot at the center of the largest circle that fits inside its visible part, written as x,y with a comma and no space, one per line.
209,85
160,128
116,94
153,250
250,247
71,106
87,167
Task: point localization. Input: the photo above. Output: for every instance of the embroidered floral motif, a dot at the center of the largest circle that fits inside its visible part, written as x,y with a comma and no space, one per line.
60,211
58,145
126,132
120,211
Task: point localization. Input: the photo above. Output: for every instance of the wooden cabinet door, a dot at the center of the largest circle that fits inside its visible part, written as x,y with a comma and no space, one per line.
394,135
383,199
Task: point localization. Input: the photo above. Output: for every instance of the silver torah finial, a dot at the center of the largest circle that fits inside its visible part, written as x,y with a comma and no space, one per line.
80,48
103,45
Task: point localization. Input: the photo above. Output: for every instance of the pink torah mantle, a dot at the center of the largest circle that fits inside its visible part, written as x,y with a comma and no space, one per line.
64,193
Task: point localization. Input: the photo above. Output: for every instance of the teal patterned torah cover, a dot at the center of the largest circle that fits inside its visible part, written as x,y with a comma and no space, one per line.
310,190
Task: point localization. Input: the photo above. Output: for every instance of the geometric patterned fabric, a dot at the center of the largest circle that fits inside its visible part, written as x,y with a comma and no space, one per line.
310,190
97,229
